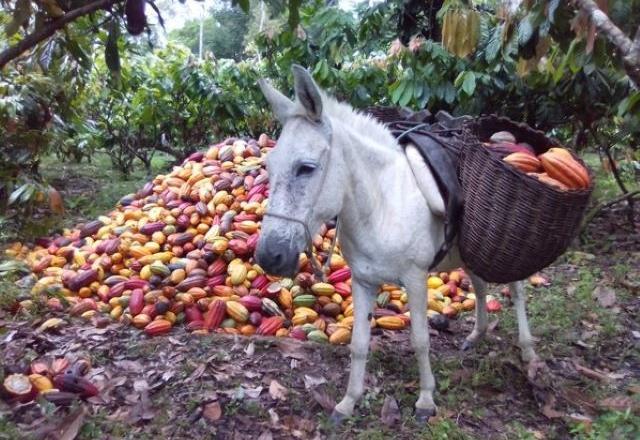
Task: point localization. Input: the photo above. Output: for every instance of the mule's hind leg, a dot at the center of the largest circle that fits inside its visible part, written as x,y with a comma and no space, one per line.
525,340
362,309
480,326
425,407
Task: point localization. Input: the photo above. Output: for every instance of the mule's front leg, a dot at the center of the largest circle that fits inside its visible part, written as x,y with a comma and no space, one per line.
425,407
362,309
480,326
525,340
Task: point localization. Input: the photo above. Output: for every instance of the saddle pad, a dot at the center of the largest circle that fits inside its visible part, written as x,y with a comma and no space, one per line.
443,165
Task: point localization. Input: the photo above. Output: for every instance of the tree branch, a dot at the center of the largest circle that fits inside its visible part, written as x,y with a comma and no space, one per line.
36,37
630,50
595,211
616,174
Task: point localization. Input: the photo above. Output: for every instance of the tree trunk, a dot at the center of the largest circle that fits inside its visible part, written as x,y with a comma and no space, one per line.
629,50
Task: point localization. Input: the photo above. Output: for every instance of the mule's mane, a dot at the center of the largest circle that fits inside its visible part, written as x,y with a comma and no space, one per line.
362,124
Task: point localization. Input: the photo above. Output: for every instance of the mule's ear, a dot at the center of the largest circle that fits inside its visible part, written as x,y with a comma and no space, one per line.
307,93
281,105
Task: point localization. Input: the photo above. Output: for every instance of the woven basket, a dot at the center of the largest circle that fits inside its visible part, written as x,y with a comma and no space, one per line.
513,224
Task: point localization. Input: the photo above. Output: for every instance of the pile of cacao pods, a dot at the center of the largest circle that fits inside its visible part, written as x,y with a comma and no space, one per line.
56,381
556,167
180,250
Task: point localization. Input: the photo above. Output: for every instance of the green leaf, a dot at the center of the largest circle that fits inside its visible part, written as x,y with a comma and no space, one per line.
15,195
494,45
551,9
244,5
525,30
77,52
407,94
469,83
111,54
397,93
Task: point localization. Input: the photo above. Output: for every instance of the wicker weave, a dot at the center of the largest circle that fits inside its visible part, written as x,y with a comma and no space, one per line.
513,224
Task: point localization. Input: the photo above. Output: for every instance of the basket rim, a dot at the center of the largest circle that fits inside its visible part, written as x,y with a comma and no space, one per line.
519,174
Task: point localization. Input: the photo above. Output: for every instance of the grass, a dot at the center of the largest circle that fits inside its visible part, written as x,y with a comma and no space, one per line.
612,425
106,184
8,430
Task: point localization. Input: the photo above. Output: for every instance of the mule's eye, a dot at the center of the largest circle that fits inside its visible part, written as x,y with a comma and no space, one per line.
305,169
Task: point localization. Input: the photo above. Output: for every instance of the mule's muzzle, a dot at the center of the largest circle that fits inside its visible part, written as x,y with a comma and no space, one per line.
276,256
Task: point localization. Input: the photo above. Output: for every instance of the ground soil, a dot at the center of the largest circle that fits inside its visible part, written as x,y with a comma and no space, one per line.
182,386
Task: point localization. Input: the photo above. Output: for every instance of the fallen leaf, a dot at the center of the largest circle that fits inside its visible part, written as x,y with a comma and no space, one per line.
390,411
548,410
197,373
323,399
273,415
212,411
592,374
51,323
70,425
140,385
250,349
277,391
174,341
253,393
636,334
313,381
132,366
605,296
291,348
617,403
265,435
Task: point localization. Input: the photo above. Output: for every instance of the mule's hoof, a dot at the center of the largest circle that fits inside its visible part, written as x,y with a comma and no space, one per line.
467,345
424,414
337,418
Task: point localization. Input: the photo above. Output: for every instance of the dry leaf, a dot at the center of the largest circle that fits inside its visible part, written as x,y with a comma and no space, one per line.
291,348
70,425
197,373
617,403
605,295
252,393
592,374
277,391
323,399
313,381
273,415
55,201
265,435
212,411
390,411
140,385
548,410
250,349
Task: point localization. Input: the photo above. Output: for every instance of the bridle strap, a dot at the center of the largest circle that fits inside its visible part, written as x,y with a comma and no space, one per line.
319,271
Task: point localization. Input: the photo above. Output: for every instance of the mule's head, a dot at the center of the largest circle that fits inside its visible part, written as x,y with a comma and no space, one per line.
303,184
